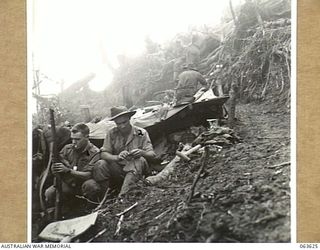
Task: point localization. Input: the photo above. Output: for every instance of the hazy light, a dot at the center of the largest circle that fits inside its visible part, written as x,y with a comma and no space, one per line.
75,37
102,79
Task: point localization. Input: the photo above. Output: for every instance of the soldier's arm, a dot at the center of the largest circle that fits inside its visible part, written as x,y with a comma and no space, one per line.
149,155
108,156
147,149
106,150
80,174
63,165
202,80
61,168
86,172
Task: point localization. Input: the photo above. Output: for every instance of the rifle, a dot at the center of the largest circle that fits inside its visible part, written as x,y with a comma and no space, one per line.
55,159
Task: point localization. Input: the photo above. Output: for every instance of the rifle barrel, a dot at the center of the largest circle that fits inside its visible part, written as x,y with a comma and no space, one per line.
57,179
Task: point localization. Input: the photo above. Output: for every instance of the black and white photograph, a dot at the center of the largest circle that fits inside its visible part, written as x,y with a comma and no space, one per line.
161,121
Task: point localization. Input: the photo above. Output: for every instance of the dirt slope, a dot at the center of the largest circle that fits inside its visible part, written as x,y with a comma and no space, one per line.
244,195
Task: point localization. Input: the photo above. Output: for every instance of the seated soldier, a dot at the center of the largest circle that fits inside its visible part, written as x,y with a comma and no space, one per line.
125,154
75,167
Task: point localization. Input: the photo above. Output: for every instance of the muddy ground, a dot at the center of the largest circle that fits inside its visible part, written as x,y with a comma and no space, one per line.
242,196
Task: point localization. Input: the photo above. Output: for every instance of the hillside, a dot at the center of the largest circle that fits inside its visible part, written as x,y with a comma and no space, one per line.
243,195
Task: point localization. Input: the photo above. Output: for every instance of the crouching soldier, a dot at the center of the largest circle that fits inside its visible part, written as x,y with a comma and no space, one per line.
125,154
75,168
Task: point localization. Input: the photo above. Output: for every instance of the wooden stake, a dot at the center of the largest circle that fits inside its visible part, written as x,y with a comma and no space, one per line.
128,209
122,217
204,162
280,165
106,194
97,235
119,225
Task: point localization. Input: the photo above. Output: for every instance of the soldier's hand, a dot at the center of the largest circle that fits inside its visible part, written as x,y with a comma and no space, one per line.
124,155
136,153
59,168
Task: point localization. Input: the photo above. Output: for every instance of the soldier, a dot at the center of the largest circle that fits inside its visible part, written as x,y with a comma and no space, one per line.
125,153
188,84
75,167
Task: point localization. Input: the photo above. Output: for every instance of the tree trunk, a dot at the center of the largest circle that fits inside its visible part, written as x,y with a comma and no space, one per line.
232,104
233,15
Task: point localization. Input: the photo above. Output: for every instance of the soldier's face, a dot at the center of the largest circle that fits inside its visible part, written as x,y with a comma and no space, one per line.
123,123
79,141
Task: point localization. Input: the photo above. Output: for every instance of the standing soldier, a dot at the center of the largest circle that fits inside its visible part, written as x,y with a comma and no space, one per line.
188,84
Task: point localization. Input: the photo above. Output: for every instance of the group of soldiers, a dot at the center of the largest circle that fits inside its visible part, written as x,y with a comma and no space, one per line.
85,170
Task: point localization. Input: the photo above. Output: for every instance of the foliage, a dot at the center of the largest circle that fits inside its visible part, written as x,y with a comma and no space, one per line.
43,116
255,57
140,76
261,65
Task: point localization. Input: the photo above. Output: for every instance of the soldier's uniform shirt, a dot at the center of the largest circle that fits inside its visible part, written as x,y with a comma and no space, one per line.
84,161
115,142
126,172
188,84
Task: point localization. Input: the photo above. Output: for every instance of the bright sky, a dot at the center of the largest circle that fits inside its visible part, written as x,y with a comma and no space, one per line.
70,37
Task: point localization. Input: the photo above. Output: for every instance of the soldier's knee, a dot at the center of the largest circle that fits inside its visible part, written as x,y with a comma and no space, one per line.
90,188
141,165
99,165
100,170
50,195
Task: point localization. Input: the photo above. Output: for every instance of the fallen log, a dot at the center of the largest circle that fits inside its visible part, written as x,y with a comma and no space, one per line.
164,174
182,156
